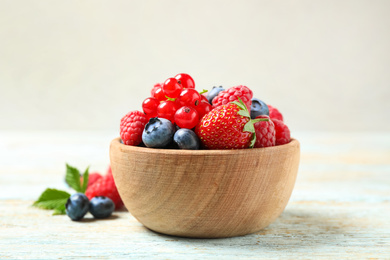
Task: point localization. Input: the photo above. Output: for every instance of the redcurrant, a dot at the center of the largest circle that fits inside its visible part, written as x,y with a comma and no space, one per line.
159,94
172,88
149,106
167,110
189,97
185,80
203,108
186,117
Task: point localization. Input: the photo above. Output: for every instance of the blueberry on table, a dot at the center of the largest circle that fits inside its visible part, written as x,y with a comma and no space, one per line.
213,93
101,207
77,206
186,139
258,108
158,132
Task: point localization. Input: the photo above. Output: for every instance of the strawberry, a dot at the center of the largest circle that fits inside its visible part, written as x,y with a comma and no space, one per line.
228,126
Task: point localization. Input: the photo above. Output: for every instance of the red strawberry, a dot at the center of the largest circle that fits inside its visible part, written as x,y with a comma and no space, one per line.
265,133
105,186
274,113
282,132
233,94
227,127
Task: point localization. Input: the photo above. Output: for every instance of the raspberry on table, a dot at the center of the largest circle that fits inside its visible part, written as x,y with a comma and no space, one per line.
105,186
232,94
265,133
274,113
132,126
282,132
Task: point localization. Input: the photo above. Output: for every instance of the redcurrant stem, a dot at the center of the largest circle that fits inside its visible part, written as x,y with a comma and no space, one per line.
170,99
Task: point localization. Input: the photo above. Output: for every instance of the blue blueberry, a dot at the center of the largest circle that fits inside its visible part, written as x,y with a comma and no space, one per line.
213,93
258,108
77,206
101,207
158,133
186,139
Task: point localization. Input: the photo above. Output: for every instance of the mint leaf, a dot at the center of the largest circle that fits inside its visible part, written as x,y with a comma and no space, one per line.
53,199
59,211
85,180
72,178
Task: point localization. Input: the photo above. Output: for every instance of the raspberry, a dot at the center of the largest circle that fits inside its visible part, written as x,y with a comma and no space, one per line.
282,132
155,87
132,126
274,113
265,133
232,94
92,178
105,186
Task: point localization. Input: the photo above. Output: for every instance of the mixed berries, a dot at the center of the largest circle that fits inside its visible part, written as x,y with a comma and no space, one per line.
177,116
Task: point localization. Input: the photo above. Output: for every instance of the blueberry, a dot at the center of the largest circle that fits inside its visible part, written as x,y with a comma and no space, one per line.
186,139
213,93
101,207
77,206
258,108
158,133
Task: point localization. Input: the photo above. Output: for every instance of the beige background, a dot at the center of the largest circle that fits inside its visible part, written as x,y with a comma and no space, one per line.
81,65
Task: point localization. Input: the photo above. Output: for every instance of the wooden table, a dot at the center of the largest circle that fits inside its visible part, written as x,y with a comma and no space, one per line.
340,207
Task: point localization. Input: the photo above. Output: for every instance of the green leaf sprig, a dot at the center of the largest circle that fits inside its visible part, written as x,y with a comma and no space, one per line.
249,126
56,199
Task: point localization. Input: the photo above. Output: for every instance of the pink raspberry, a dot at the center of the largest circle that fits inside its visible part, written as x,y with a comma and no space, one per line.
232,94
274,113
132,126
282,132
265,133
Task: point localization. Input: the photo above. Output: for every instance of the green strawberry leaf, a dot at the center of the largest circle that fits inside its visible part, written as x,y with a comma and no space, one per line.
240,105
244,113
249,127
253,141
72,178
85,180
53,199
204,91
259,120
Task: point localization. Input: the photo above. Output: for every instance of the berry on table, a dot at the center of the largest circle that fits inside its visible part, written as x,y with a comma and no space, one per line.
77,206
101,207
274,113
227,127
186,117
265,133
185,80
167,110
282,133
186,139
213,93
158,133
258,108
105,186
92,178
189,97
233,94
172,88
131,127
149,106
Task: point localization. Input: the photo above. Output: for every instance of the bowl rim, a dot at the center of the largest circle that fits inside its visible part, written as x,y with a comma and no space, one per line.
130,148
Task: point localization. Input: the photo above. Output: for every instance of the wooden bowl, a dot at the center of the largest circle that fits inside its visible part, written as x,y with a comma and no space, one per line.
205,193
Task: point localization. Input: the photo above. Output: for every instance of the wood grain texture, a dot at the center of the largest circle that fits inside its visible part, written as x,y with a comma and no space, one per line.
339,208
207,193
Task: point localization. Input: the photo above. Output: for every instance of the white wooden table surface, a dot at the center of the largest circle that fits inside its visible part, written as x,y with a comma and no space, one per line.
340,207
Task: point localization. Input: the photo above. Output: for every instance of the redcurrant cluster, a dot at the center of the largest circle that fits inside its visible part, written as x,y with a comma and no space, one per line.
178,101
